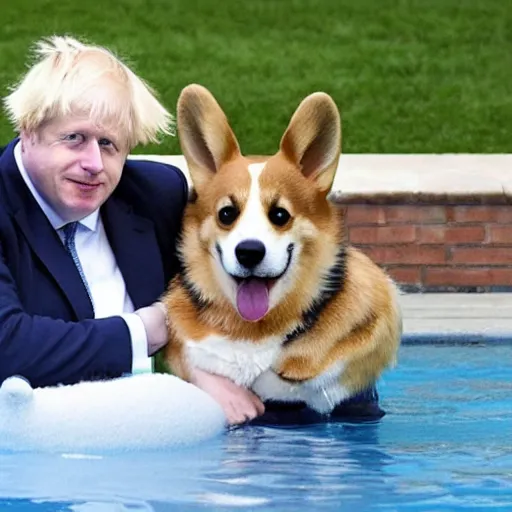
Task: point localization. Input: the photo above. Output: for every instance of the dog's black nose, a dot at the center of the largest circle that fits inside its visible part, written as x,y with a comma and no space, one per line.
249,253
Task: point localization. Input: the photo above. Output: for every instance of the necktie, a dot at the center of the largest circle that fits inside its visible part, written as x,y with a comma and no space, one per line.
69,231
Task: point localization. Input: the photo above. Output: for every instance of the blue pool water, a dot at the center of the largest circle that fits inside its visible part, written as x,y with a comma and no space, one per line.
444,445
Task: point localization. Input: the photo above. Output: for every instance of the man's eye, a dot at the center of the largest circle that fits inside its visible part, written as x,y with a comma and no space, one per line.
105,142
73,137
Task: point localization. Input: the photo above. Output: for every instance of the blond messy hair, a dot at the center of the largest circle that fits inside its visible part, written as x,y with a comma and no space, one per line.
71,77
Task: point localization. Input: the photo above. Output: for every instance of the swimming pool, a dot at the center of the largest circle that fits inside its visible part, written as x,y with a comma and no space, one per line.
444,445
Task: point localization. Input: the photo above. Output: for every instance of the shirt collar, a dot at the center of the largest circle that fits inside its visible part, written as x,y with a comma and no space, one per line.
90,222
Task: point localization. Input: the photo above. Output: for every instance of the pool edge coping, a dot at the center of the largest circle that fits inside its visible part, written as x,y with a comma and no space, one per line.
456,338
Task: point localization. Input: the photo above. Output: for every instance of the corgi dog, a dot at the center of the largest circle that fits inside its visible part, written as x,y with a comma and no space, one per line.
269,294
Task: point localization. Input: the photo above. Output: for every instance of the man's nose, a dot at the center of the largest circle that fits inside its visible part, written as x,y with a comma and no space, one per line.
91,157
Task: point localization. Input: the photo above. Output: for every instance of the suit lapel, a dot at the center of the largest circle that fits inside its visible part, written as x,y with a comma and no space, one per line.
49,249
41,236
136,249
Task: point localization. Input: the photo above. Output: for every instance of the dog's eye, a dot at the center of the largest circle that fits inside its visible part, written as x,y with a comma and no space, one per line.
228,215
278,216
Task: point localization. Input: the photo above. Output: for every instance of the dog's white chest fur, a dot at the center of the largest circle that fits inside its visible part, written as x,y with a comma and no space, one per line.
249,364
241,361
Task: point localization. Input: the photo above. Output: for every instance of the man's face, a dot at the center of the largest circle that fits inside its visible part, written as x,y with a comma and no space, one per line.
74,164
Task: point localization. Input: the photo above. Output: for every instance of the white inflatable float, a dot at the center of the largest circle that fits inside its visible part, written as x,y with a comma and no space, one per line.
139,412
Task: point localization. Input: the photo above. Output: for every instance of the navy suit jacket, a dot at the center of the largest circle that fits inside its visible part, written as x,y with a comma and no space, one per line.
47,333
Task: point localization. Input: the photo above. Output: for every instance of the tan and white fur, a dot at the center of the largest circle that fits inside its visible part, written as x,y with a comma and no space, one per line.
269,294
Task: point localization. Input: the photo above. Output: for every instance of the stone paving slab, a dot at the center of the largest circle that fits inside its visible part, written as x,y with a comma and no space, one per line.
410,175
432,174
457,313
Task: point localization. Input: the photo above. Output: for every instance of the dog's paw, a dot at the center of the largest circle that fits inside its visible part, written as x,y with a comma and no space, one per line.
296,369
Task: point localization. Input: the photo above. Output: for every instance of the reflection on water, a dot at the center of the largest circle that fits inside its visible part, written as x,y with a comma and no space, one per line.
238,468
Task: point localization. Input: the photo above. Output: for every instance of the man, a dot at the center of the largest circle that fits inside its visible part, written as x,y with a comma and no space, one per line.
87,237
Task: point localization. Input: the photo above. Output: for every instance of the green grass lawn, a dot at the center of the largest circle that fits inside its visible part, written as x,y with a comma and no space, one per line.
409,76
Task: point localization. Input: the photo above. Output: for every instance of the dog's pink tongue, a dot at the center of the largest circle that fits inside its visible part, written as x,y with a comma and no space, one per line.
252,299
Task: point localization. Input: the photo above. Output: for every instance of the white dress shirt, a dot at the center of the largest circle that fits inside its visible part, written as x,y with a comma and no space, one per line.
106,284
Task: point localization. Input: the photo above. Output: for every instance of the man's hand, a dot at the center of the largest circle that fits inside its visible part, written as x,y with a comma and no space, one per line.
239,404
154,319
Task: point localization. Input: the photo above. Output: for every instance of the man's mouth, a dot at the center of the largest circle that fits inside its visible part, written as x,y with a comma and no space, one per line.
84,185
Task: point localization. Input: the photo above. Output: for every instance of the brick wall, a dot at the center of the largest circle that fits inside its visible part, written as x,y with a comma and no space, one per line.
428,247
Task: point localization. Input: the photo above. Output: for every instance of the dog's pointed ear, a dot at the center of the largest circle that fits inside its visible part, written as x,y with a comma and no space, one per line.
207,141
312,140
